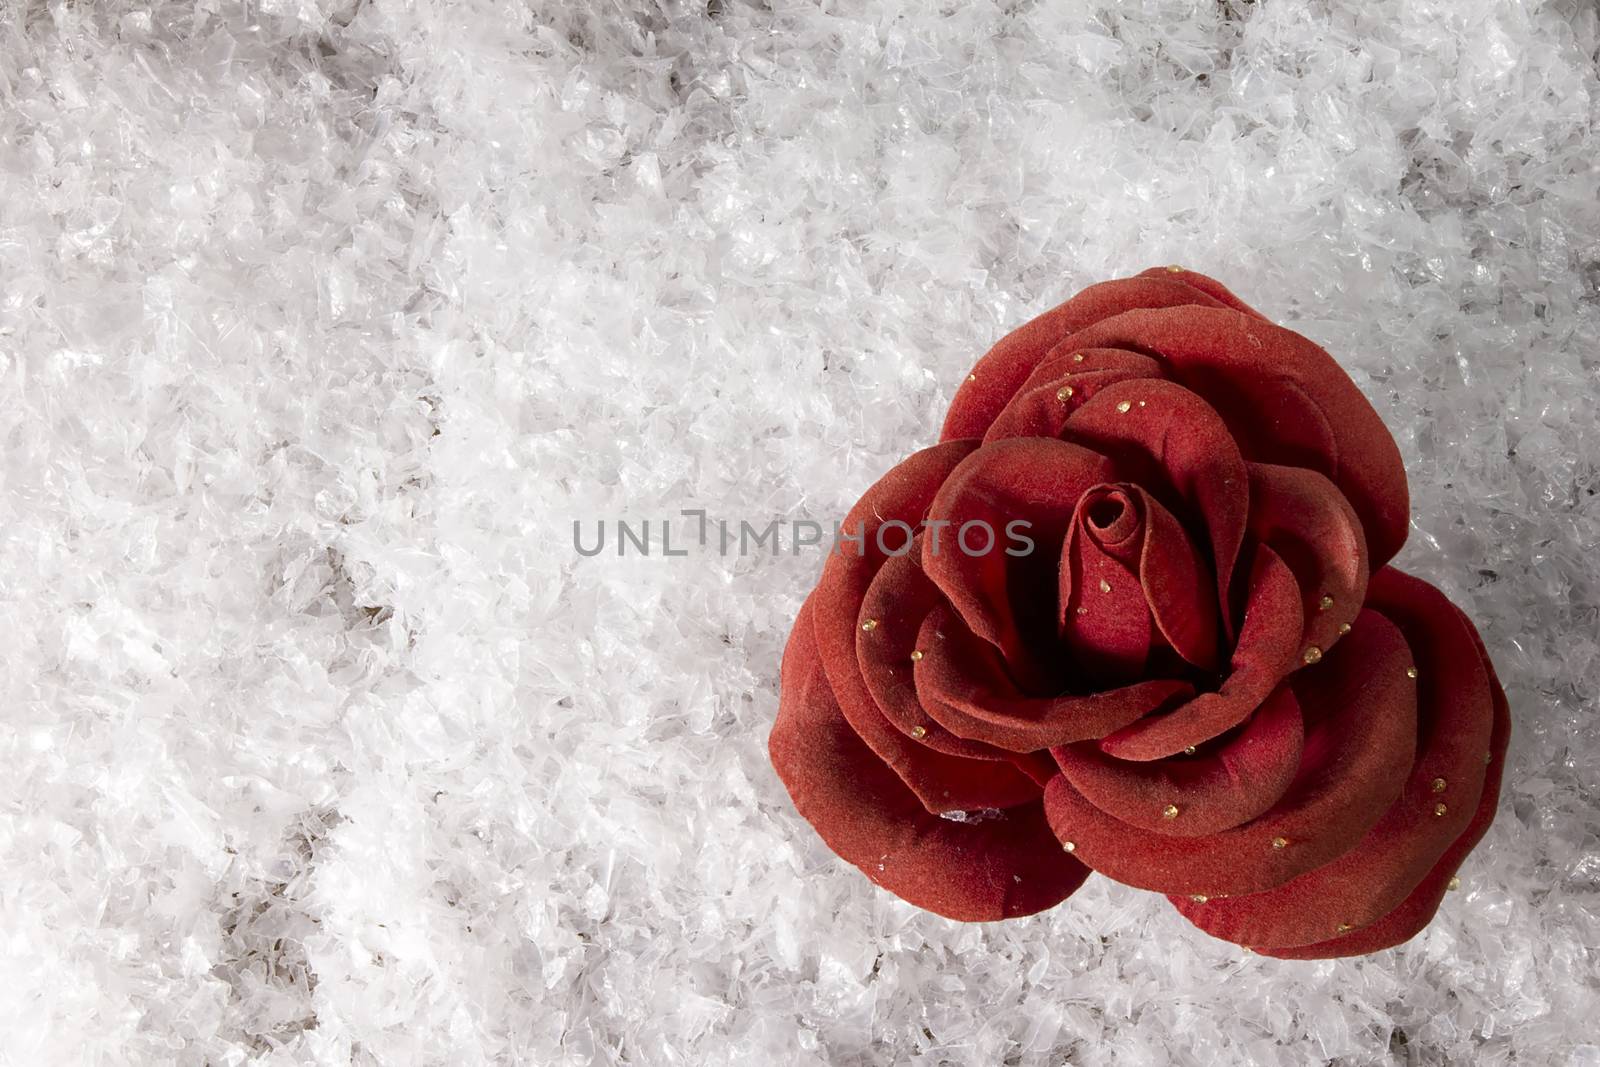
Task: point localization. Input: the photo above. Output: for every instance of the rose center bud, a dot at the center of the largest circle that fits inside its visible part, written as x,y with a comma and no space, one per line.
1135,596
1110,516
1105,622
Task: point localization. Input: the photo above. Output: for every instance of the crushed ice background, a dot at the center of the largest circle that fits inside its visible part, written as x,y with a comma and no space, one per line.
321,321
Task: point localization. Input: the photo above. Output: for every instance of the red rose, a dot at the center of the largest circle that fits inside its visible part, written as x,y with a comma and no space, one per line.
1202,680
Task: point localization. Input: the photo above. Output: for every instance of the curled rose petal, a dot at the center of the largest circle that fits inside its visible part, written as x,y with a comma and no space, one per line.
1269,647
1000,373
1308,523
1284,399
943,782
1360,716
963,684
1458,706
1230,783
1178,585
1000,866
1006,593
1104,613
1161,434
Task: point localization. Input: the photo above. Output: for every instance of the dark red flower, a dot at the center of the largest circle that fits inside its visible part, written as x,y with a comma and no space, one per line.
1201,680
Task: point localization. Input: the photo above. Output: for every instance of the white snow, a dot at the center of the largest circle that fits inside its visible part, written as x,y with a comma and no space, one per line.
321,321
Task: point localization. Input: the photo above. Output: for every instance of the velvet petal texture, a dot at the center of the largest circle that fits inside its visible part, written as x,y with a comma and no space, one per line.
1001,595
1268,648
1360,732
944,782
962,683
992,868
1133,615
1460,736
1284,398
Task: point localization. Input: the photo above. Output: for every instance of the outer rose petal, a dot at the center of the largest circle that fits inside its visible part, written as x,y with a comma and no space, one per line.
1060,385
1210,286
943,782
1460,709
1000,373
1417,910
995,868
1360,716
1284,398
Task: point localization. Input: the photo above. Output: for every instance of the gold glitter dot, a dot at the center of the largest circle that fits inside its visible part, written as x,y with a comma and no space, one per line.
1344,627
1345,928
1199,898
1125,407
1488,757
870,625
1411,672
1082,610
1069,846
1064,393
1175,269
1455,883
1170,811
1326,603
1280,842
1105,586
1077,357
916,657
1313,654
972,377
1189,751
1440,809
919,732
1439,785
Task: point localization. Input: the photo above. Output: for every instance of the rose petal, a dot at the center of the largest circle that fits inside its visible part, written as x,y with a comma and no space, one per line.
1179,586
1160,434
1456,718
1009,599
1210,286
898,600
998,376
943,782
1064,381
1104,616
1418,909
1284,398
1308,523
1230,784
1360,715
997,867
1268,648
963,684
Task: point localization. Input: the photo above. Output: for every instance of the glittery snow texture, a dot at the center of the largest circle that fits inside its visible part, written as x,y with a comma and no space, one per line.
322,320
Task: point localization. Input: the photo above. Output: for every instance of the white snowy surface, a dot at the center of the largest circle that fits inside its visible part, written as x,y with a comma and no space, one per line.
322,320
